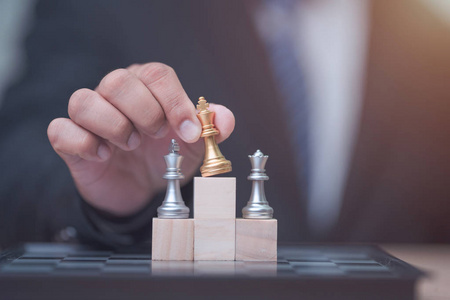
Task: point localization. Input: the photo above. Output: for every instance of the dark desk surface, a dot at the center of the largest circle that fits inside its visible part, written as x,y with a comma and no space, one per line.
313,271
434,259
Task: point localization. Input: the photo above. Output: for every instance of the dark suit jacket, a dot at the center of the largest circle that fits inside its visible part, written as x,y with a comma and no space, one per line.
399,183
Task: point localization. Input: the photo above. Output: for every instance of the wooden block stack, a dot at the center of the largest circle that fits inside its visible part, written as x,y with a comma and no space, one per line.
214,218
214,233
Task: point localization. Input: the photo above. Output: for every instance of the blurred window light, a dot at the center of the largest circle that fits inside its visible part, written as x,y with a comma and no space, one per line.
440,7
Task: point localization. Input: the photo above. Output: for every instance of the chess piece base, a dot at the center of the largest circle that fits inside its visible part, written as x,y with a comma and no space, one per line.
216,167
257,207
214,162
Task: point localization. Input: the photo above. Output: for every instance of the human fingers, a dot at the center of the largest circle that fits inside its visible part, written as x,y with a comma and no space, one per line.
126,92
73,142
91,111
163,83
223,120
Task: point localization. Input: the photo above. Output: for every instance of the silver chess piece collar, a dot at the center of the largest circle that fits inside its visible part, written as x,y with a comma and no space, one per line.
258,206
173,206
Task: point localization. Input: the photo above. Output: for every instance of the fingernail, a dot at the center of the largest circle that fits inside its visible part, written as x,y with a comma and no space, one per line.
103,152
134,140
189,131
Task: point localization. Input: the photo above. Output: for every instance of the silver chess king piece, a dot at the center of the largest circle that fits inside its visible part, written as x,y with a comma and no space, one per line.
173,206
258,207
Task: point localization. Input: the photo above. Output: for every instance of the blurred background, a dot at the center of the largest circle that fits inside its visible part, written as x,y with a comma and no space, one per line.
378,124
16,17
398,189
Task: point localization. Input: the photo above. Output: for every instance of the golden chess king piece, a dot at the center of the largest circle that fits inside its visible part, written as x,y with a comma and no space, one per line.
214,162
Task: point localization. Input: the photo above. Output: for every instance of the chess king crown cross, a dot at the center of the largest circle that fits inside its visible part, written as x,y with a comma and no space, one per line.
219,235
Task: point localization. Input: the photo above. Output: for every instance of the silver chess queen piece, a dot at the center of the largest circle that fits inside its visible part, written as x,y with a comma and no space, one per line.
258,207
173,206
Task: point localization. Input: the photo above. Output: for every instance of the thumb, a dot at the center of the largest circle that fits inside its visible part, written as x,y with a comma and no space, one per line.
223,120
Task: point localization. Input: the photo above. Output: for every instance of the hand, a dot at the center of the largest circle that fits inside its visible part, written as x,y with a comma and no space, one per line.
117,135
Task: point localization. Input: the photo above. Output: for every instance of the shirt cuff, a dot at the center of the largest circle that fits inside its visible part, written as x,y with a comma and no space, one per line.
112,231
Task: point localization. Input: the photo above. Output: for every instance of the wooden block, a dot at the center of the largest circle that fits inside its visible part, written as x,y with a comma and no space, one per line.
256,240
173,239
214,198
214,239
